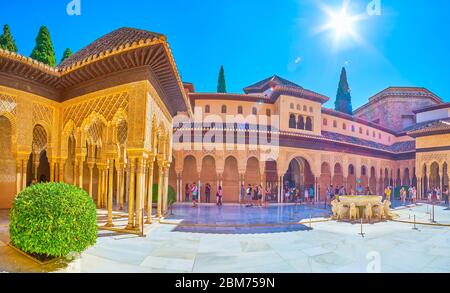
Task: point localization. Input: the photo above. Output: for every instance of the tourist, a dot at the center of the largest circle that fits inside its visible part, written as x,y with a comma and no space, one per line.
445,193
267,197
242,195
286,195
414,195
219,196
306,196
194,191
260,195
249,195
187,191
387,193
430,196
207,193
438,195
255,195
342,191
311,194
410,192
403,195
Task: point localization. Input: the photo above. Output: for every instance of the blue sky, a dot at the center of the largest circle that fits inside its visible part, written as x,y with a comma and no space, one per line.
407,45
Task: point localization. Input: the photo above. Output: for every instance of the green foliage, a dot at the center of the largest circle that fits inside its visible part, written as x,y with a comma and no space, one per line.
343,98
53,219
43,51
222,86
172,197
67,53
7,41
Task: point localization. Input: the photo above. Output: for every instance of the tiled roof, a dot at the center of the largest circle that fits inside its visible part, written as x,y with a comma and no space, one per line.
429,126
400,147
265,84
115,39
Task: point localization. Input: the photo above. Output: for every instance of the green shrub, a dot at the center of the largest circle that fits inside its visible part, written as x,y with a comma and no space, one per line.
172,197
53,219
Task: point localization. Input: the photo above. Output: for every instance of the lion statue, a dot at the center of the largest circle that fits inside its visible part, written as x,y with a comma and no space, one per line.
334,208
342,212
368,213
354,212
378,211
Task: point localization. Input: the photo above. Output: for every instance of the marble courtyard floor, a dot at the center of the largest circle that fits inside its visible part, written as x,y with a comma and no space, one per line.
236,239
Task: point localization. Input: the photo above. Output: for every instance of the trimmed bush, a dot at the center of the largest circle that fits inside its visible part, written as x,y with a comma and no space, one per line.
53,220
172,197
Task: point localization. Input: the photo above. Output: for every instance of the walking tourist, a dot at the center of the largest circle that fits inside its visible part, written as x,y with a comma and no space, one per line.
311,194
255,195
414,195
306,197
242,195
219,196
207,193
403,195
249,195
187,191
445,194
194,191
387,193
438,195
260,195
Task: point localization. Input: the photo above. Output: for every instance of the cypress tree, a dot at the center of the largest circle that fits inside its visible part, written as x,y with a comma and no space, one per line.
343,98
67,53
222,86
43,51
7,41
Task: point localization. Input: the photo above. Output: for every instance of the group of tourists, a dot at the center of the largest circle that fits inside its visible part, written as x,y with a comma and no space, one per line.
410,194
435,194
193,189
252,196
297,196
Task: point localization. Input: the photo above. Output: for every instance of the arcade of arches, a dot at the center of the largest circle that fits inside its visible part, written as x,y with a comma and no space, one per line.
292,169
96,142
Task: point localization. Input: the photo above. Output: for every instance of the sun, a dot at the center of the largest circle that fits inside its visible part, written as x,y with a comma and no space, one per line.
341,22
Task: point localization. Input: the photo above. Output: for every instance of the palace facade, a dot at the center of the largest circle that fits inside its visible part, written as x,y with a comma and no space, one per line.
104,121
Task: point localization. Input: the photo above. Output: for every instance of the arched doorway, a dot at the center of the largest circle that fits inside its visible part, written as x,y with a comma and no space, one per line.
209,175
338,179
190,174
373,181
406,177
252,172
298,175
351,179
435,178
230,180
7,165
38,161
325,180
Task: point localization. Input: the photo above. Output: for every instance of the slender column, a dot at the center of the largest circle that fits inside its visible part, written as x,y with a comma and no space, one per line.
166,188
52,170
18,175
150,191
110,174
199,187
160,188
24,173
121,185
280,189
99,186
35,166
316,189
90,164
62,164
141,165
131,194
118,181
80,174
